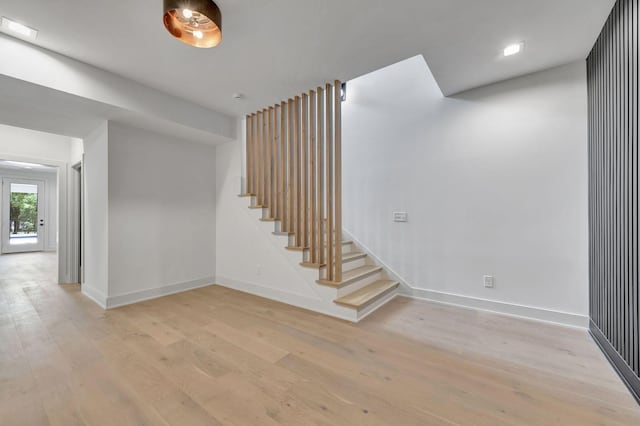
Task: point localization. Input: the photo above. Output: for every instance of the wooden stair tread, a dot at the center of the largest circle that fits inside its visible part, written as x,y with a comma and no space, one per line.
246,195
353,275
307,248
269,219
294,248
346,257
354,255
257,207
361,298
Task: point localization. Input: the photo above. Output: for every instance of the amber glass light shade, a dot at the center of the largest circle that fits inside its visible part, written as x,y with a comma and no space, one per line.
195,22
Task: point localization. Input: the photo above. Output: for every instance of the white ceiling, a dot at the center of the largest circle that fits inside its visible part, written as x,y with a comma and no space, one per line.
273,49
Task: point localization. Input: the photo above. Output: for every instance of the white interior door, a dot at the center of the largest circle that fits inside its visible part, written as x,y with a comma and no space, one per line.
23,215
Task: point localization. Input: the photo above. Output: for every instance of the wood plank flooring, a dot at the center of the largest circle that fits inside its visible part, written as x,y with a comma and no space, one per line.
215,356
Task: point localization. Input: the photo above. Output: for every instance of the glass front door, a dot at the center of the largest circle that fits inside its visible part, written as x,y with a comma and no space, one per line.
23,227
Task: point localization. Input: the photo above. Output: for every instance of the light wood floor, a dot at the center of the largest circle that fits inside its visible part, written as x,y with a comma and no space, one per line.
215,356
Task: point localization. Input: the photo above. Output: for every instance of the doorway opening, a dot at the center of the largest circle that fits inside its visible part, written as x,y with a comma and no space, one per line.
24,215
28,207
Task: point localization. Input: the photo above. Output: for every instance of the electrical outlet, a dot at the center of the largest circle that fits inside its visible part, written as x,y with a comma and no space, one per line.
400,217
488,281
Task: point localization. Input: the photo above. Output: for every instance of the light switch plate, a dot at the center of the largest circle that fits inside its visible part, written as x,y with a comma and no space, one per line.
400,217
488,281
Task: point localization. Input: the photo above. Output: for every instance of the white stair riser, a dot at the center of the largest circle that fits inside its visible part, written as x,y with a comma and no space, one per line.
357,285
353,264
377,304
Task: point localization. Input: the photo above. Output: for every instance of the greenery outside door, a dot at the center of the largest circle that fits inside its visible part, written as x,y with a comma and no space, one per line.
23,227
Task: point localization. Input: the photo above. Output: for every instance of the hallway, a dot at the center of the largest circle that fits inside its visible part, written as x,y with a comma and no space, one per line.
216,356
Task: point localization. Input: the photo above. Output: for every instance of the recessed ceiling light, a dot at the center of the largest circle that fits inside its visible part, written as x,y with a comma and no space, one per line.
513,49
14,28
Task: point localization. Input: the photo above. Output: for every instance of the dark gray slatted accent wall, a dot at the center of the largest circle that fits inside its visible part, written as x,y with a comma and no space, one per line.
612,77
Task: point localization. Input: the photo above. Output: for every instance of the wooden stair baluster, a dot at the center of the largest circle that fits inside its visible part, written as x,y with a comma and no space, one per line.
261,159
311,217
291,170
304,170
320,172
296,195
283,162
337,97
247,149
329,187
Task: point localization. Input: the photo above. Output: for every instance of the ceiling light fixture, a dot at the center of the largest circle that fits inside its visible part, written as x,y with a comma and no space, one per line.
513,49
14,28
194,22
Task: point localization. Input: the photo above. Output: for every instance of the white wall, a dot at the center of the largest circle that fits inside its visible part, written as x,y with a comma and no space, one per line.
33,145
96,215
494,181
151,224
20,144
51,201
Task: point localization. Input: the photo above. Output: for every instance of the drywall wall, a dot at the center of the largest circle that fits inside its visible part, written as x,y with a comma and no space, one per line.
96,215
494,182
33,145
21,144
161,214
50,180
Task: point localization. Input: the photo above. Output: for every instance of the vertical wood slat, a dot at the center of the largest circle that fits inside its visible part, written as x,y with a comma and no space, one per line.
283,167
296,192
274,163
248,157
256,156
275,157
304,170
278,163
320,173
313,242
270,163
338,178
267,165
329,183
291,180
262,158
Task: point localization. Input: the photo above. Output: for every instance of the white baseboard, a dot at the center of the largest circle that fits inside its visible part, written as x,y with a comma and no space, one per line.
315,305
522,311
153,293
529,312
94,295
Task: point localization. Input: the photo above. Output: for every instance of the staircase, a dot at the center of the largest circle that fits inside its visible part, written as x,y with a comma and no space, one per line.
293,180
364,286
